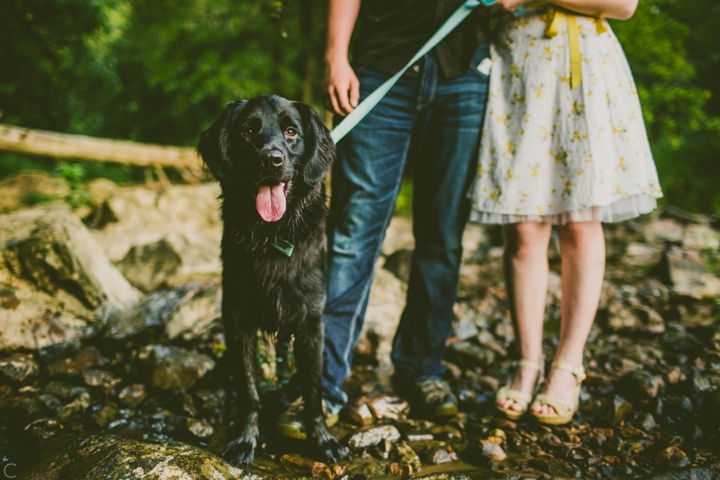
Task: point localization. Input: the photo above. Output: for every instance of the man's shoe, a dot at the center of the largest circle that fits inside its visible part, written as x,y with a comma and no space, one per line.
291,423
428,397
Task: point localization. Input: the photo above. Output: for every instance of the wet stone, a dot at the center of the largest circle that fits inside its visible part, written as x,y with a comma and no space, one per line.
373,436
109,457
621,409
106,415
701,384
64,391
321,470
679,405
400,469
148,315
19,368
44,428
556,467
51,402
361,414
446,433
368,467
674,457
639,386
76,407
173,368
614,445
435,452
653,293
675,375
389,408
469,355
200,428
647,421
405,455
492,450
211,401
95,377
444,476
132,395
88,357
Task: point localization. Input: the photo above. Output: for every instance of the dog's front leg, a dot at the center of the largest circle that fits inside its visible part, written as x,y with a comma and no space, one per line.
308,357
242,355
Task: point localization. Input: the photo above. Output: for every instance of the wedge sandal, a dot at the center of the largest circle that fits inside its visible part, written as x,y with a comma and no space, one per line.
564,409
520,398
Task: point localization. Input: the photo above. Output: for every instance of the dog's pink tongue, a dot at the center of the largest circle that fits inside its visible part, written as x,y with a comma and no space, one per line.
270,202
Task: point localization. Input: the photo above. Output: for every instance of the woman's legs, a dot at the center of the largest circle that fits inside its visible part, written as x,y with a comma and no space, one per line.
526,276
582,247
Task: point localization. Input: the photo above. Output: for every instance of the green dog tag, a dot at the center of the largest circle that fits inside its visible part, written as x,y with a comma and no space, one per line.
285,247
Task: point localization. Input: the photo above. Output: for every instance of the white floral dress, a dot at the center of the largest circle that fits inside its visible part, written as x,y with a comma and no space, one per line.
551,153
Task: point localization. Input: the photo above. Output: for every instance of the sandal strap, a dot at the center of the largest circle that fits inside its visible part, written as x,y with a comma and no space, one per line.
557,404
530,364
578,372
523,399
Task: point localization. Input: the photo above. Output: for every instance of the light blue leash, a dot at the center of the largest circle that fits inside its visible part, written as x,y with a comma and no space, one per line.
356,116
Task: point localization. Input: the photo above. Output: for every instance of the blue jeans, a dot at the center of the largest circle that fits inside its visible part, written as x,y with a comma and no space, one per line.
435,125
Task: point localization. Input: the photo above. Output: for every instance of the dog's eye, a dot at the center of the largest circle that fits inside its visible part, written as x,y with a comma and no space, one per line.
291,132
246,132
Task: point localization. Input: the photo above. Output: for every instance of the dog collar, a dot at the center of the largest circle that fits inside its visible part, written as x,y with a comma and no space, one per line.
285,247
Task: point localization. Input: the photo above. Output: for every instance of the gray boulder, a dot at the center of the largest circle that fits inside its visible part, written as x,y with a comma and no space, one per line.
56,283
113,458
685,271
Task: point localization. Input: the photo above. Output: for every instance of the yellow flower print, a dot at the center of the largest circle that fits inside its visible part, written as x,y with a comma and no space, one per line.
579,109
622,165
562,157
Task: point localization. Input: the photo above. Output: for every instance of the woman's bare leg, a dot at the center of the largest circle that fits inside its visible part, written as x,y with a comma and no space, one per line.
582,247
526,277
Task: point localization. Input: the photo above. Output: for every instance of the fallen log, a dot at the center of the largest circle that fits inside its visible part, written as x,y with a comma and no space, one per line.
79,147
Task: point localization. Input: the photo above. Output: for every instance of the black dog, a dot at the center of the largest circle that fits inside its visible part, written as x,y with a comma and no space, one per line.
270,156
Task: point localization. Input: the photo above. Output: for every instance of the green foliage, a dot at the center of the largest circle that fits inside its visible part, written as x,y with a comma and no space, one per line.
655,43
50,76
179,62
74,174
690,172
403,205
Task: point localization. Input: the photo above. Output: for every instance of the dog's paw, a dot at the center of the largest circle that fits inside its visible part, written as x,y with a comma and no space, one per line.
240,451
329,449
332,451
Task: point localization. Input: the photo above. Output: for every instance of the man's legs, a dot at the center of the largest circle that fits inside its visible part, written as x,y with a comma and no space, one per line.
365,181
443,171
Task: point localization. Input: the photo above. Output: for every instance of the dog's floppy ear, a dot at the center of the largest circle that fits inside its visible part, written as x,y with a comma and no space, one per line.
319,147
214,144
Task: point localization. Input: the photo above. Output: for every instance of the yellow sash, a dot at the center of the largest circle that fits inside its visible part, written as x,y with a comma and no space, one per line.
554,18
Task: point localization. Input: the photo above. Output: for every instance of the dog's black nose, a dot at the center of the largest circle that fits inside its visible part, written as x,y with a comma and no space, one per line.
273,158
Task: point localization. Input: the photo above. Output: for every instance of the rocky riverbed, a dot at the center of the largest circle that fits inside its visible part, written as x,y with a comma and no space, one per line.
111,354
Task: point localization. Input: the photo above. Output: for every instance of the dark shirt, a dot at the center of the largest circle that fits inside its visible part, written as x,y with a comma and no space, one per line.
392,31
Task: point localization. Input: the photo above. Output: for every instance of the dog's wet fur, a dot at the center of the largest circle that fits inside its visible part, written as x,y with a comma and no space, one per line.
269,144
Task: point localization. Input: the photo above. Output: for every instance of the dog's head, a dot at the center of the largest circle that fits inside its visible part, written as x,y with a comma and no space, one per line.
265,146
